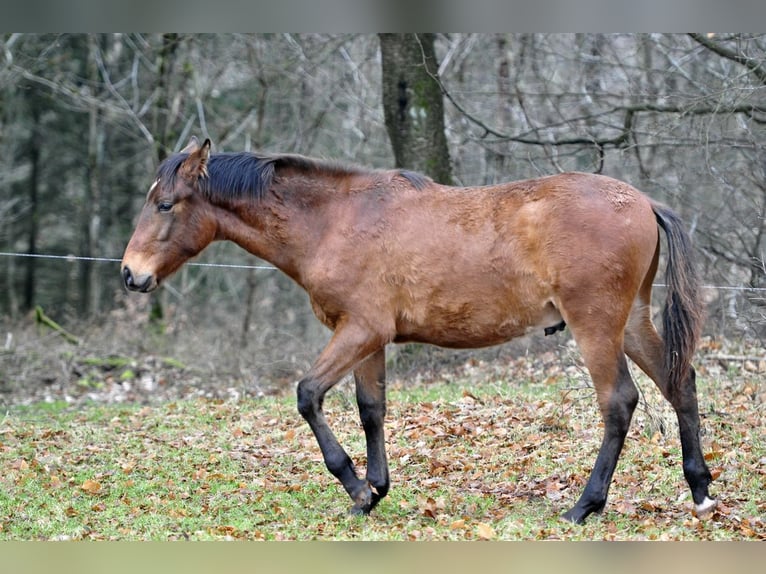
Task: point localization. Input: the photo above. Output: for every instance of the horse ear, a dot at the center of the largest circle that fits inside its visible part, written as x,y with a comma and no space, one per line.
192,146
195,166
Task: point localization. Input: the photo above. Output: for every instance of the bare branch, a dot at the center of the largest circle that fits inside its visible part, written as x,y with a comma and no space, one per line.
750,63
619,140
122,103
624,136
81,98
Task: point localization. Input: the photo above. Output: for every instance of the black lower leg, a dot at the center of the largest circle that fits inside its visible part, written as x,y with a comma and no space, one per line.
371,399
696,470
593,497
335,457
377,466
616,423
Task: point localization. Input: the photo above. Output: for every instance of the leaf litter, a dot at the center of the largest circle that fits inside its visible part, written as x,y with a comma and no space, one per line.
488,451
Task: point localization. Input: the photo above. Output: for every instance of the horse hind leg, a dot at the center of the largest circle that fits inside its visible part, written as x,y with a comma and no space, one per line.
617,398
645,347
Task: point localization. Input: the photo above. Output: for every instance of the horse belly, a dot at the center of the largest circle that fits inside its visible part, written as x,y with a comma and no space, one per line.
475,323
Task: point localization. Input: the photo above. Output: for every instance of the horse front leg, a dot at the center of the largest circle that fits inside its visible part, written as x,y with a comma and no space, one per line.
350,345
370,379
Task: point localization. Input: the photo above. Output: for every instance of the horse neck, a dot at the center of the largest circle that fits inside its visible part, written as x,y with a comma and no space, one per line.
283,226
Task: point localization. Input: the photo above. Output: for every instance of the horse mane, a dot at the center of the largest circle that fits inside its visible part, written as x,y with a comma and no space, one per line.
234,175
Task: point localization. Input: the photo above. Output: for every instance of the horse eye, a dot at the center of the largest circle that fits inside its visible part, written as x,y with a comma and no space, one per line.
164,207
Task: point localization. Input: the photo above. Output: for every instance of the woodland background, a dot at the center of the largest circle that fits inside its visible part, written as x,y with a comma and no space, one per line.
86,118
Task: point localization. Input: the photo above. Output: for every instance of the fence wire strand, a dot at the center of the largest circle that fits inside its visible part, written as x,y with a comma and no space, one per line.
73,258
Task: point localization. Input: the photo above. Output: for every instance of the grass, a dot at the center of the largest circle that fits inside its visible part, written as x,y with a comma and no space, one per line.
471,457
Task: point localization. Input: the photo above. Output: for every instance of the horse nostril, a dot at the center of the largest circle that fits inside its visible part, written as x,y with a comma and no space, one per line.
127,277
142,283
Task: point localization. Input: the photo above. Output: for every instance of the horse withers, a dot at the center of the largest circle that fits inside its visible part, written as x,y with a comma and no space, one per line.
389,256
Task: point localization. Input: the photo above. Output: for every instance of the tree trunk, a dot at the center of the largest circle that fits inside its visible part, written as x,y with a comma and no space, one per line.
413,104
413,108
33,188
496,161
90,223
164,112
163,127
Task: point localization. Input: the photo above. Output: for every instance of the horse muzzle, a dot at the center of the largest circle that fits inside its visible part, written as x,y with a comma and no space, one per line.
143,283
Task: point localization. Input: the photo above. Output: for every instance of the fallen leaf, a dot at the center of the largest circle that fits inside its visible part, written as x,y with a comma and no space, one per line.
485,531
91,486
428,507
469,395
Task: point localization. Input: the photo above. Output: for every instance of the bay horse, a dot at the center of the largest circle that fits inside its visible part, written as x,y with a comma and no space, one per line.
391,256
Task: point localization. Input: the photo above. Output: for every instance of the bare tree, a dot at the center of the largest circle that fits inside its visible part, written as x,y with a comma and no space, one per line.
679,115
412,103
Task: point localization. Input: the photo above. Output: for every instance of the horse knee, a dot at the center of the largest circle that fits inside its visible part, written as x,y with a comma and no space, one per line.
307,403
338,463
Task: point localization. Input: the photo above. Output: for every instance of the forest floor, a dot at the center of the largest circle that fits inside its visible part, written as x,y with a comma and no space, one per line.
137,446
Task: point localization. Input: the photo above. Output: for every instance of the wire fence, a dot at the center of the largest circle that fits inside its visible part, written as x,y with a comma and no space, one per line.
74,258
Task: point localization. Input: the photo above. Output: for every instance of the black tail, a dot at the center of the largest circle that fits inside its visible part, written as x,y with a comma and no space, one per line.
683,312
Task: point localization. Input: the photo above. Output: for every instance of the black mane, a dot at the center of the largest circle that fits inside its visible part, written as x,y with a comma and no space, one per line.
240,174
230,174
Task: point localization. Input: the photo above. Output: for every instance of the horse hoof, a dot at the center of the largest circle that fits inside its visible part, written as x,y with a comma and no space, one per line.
359,511
705,508
571,518
364,501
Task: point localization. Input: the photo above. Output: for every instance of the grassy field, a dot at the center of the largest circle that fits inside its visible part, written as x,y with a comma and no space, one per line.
472,456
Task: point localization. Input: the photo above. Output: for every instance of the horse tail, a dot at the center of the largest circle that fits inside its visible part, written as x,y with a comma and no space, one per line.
683,313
